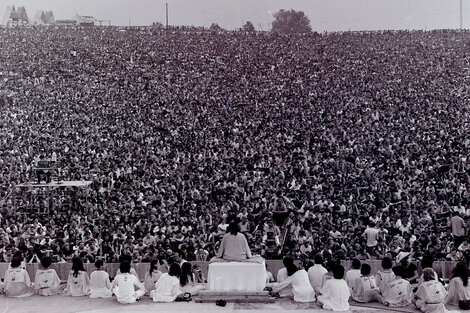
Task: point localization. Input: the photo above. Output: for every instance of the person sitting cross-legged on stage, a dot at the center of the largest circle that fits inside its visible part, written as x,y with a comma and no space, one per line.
234,247
316,272
459,287
334,295
100,286
78,283
47,282
167,288
298,279
152,276
365,289
124,285
17,281
385,275
431,294
188,280
397,292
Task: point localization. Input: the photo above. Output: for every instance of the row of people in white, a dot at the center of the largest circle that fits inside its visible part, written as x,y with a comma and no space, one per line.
163,287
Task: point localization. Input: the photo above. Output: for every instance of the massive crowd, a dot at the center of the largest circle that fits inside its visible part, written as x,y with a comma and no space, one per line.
360,139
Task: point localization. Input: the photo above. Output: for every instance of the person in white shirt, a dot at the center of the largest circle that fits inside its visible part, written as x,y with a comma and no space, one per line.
188,281
17,281
371,234
365,289
100,286
298,279
431,294
459,287
124,285
397,292
353,273
152,276
46,281
280,277
385,275
167,288
334,295
78,282
316,272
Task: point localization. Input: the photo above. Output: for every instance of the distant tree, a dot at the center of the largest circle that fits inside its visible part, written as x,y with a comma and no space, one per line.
248,27
291,22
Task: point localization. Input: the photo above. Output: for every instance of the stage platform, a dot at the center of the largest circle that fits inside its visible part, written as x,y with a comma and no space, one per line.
54,184
62,304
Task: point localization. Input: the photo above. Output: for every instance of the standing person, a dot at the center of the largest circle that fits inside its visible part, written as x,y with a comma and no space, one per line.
124,285
316,272
459,288
334,295
46,281
17,281
457,225
298,279
167,288
100,286
78,283
372,235
151,277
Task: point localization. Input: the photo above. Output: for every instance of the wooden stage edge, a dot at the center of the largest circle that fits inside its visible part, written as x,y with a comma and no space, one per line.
54,184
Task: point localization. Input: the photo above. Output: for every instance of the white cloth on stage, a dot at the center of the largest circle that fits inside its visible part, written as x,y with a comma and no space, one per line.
236,276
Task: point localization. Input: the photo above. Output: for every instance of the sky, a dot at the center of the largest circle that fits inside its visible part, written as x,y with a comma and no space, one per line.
325,15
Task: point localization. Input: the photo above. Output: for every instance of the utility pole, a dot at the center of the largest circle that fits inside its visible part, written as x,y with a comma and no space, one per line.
166,5
461,15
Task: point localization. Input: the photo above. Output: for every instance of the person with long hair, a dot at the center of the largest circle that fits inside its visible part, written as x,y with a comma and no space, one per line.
46,281
298,279
431,294
124,285
78,282
167,288
152,276
234,247
100,286
17,280
459,287
188,281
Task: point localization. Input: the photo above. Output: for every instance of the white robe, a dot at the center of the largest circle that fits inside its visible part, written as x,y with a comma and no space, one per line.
315,276
167,288
124,288
100,286
78,286
457,291
18,283
282,276
383,277
364,289
431,296
303,291
396,293
351,277
150,280
335,295
47,282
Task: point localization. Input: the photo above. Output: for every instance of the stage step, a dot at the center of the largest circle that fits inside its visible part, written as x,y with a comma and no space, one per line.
234,296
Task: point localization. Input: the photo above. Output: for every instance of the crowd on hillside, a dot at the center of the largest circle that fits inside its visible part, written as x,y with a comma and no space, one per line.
354,143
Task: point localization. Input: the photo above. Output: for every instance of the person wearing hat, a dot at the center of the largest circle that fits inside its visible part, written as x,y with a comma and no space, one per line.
410,271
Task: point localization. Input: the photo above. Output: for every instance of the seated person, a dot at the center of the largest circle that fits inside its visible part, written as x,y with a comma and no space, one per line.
396,292
353,273
298,280
364,289
167,288
385,275
151,277
78,282
127,258
100,286
47,282
459,288
316,272
234,247
17,281
124,285
431,294
188,280
334,295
